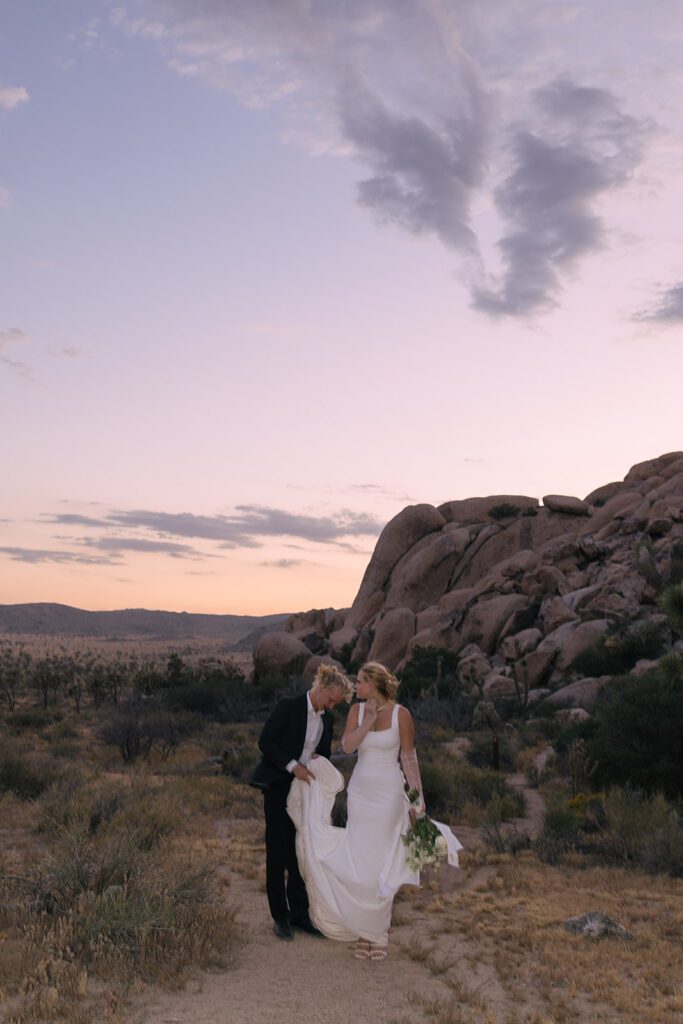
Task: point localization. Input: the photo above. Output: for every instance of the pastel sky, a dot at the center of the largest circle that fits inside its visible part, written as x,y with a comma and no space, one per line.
270,270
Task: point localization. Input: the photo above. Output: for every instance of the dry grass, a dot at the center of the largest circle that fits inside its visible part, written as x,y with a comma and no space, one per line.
517,925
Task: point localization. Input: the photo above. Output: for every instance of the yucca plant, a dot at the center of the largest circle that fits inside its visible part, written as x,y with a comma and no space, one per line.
671,668
671,603
647,563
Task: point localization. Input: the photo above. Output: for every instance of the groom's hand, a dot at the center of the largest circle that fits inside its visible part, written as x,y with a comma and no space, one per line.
302,772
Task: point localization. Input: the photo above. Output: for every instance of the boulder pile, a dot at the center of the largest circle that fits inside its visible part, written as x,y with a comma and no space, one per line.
515,587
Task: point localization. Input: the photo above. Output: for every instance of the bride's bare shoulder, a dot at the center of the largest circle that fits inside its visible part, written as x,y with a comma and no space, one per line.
352,716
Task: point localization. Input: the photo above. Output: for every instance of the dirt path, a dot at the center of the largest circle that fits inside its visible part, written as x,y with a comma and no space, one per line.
532,822
317,980
312,980
535,805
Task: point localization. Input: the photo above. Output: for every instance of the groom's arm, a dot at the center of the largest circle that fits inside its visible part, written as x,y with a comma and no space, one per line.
273,739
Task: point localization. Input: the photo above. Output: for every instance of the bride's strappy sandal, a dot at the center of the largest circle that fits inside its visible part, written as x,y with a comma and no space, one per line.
377,953
362,950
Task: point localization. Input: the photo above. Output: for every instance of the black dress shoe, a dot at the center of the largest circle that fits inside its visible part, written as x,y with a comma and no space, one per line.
304,924
283,928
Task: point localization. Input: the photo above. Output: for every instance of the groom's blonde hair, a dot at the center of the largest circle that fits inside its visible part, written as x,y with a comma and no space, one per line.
330,677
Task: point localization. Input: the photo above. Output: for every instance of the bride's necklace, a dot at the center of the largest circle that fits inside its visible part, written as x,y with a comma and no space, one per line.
380,707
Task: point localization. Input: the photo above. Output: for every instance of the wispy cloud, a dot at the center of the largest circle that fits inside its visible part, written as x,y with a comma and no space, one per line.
666,308
14,336
284,563
582,147
156,547
245,529
67,352
12,96
427,121
379,491
74,519
11,336
424,174
38,555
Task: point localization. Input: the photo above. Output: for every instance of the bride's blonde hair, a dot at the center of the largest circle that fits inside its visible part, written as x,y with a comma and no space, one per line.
330,676
381,678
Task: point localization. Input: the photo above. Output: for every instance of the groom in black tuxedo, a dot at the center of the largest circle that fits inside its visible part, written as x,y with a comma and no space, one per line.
297,729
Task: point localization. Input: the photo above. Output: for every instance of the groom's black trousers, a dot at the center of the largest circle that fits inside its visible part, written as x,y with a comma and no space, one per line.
285,899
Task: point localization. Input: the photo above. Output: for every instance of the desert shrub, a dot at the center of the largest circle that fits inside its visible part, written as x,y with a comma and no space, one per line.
630,816
22,773
618,651
637,738
662,850
559,833
589,810
123,912
510,840
31,719
237,745
212,689
149,815
671,600
450,783
479,753
138,725
451,714
63,730
203,697
130,729
346,656
561,819
504,511
78,804
569,734
430,668
214,795
238,760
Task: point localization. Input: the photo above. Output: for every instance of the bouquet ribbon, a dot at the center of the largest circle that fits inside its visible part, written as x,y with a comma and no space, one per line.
454,843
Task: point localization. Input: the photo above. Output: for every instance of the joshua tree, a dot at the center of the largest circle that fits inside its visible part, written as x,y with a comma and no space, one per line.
520,675
647,563
579,764
486,717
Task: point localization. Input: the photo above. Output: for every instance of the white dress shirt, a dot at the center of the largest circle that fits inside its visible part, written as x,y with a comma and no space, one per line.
314,730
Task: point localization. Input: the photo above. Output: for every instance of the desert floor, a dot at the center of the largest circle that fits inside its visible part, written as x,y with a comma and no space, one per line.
484,944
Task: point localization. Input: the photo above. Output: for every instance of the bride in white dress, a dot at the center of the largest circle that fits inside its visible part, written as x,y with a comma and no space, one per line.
353,873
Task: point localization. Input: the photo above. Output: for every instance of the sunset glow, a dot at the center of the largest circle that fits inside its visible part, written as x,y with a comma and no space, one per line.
272,271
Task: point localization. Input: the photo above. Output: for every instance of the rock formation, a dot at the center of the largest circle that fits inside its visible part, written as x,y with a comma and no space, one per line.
513,587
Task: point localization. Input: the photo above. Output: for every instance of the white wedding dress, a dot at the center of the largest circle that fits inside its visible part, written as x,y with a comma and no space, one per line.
353,873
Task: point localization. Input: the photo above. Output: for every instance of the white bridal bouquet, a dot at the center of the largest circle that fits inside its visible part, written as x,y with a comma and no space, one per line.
426,845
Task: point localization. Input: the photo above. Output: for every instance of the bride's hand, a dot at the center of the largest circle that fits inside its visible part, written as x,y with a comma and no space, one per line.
370,713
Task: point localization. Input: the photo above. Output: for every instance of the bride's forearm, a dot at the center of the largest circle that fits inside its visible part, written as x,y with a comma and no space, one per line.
353,739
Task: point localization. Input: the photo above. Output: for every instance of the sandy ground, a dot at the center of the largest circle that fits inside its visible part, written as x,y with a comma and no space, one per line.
309,980
317,981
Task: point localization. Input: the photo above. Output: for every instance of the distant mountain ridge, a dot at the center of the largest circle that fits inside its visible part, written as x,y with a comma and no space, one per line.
62,620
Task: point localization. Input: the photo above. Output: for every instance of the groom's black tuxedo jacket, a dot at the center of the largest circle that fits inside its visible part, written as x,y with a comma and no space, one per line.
282,740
